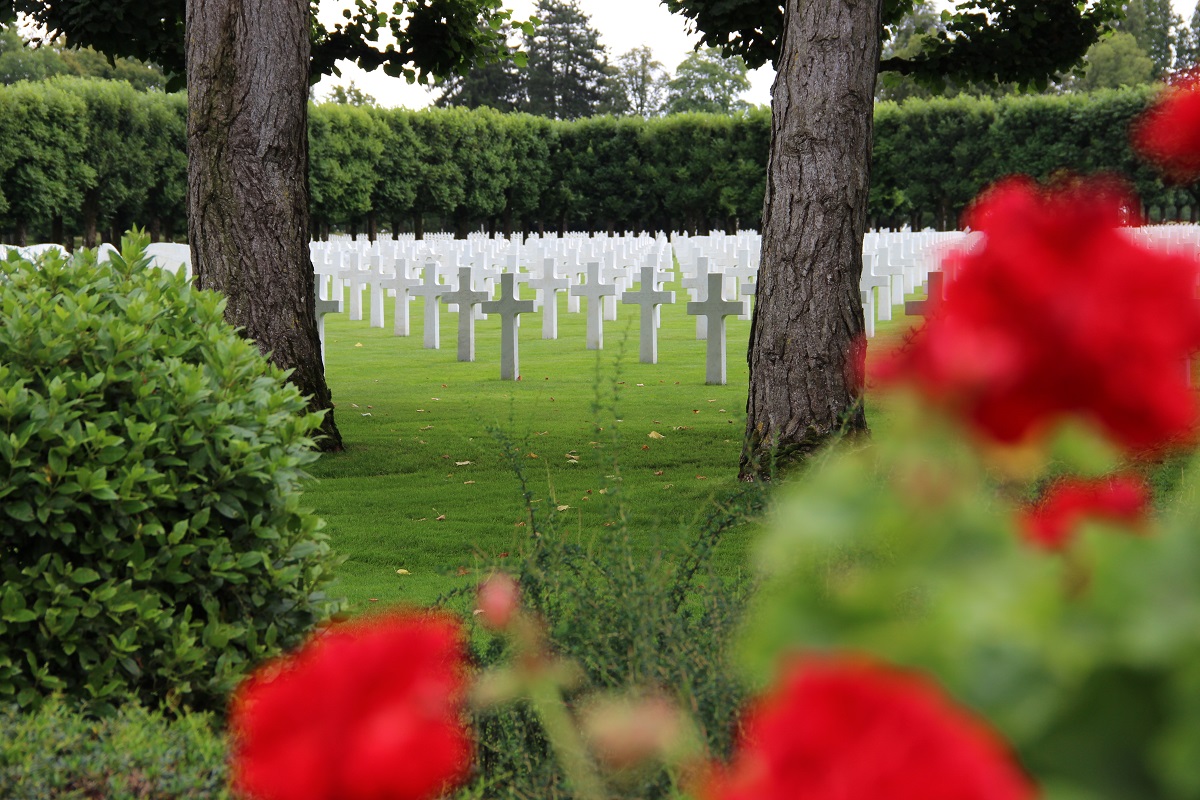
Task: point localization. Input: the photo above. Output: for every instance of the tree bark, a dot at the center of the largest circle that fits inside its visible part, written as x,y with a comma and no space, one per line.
807,336
247,81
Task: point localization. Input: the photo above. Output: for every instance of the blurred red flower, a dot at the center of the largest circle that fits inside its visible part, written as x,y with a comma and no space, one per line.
366,710
845,728
1168,133
1060,311
1053,520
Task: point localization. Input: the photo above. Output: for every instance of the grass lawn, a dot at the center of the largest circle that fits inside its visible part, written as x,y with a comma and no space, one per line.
425,486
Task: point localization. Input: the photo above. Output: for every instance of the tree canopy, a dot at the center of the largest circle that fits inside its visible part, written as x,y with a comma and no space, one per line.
1023,41
430,37
709,82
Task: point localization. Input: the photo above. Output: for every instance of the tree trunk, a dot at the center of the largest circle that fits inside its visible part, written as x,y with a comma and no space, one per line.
247,82
418,226
807,336
56,230
91,213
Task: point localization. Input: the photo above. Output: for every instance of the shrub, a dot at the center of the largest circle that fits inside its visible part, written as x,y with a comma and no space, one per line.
58,753
641,616
153,543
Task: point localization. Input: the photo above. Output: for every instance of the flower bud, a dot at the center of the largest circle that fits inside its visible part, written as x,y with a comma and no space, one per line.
499,598
626,733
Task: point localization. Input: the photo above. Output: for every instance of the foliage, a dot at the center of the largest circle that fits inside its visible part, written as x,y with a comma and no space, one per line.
1113,62
351,96
709,83
427,39
154,542
639,83
661,623
566,74
466,170
57,753
20,62
1157,30
1024,41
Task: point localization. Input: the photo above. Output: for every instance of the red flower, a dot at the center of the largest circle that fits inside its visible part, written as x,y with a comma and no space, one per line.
1168,134
1052,521
364,711
1060,311
848,729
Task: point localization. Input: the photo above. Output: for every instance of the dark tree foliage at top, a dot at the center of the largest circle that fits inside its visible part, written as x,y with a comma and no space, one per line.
432,37
1022,41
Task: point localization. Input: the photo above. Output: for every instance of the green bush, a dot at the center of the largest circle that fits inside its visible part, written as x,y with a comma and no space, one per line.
152,542
57,753
649,616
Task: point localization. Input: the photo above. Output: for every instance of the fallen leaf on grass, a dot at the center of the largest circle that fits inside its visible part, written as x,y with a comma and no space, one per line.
422,411
682,428
655,435
563,508
374,600
467,483
403,572
520,525
440,518
533,455
367,414
354,405
427,428
645,447
358,344
462,463
701,477
658,472
668,486
461,571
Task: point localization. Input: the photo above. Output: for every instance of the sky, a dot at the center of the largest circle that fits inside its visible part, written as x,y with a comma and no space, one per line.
623,25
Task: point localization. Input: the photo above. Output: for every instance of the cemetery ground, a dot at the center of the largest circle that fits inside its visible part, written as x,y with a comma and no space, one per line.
425,497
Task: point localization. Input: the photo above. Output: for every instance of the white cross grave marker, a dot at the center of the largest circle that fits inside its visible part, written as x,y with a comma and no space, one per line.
594,291
509,308
549,284
466,300
715,309
401,283
649,299
324,307
431,290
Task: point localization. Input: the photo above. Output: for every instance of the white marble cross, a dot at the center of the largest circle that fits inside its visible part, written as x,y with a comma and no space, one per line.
594,291
352,275
549,285
509,308
401,283
715,308
376,277
431,290
649,299
465,300
695,284
324,307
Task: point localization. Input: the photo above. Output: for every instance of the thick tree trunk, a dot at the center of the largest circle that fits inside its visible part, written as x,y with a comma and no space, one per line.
806,339
248,178
91,213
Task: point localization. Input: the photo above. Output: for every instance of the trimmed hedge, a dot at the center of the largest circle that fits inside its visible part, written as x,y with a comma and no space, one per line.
57,753
464,170
152,541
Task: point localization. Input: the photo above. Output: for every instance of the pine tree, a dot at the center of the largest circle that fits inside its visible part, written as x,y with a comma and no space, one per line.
1157,29
494,85
1188,54
566,74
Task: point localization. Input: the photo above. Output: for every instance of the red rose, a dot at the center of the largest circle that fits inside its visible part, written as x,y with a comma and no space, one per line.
366,710
1050,523
849,729
1060,311
1168,134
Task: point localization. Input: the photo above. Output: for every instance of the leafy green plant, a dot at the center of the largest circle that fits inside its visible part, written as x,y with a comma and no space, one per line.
655,620
59,753
152,538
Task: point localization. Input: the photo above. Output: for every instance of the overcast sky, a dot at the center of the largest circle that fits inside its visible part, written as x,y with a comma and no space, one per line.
623,25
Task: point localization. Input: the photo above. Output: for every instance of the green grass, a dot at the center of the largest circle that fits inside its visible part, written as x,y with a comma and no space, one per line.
424,484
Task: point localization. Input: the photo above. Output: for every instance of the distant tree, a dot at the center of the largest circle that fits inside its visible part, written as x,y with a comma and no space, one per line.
1114,61
1156,27
639,83
706,81
351,96
1188,54
566,76
494,84
22,61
